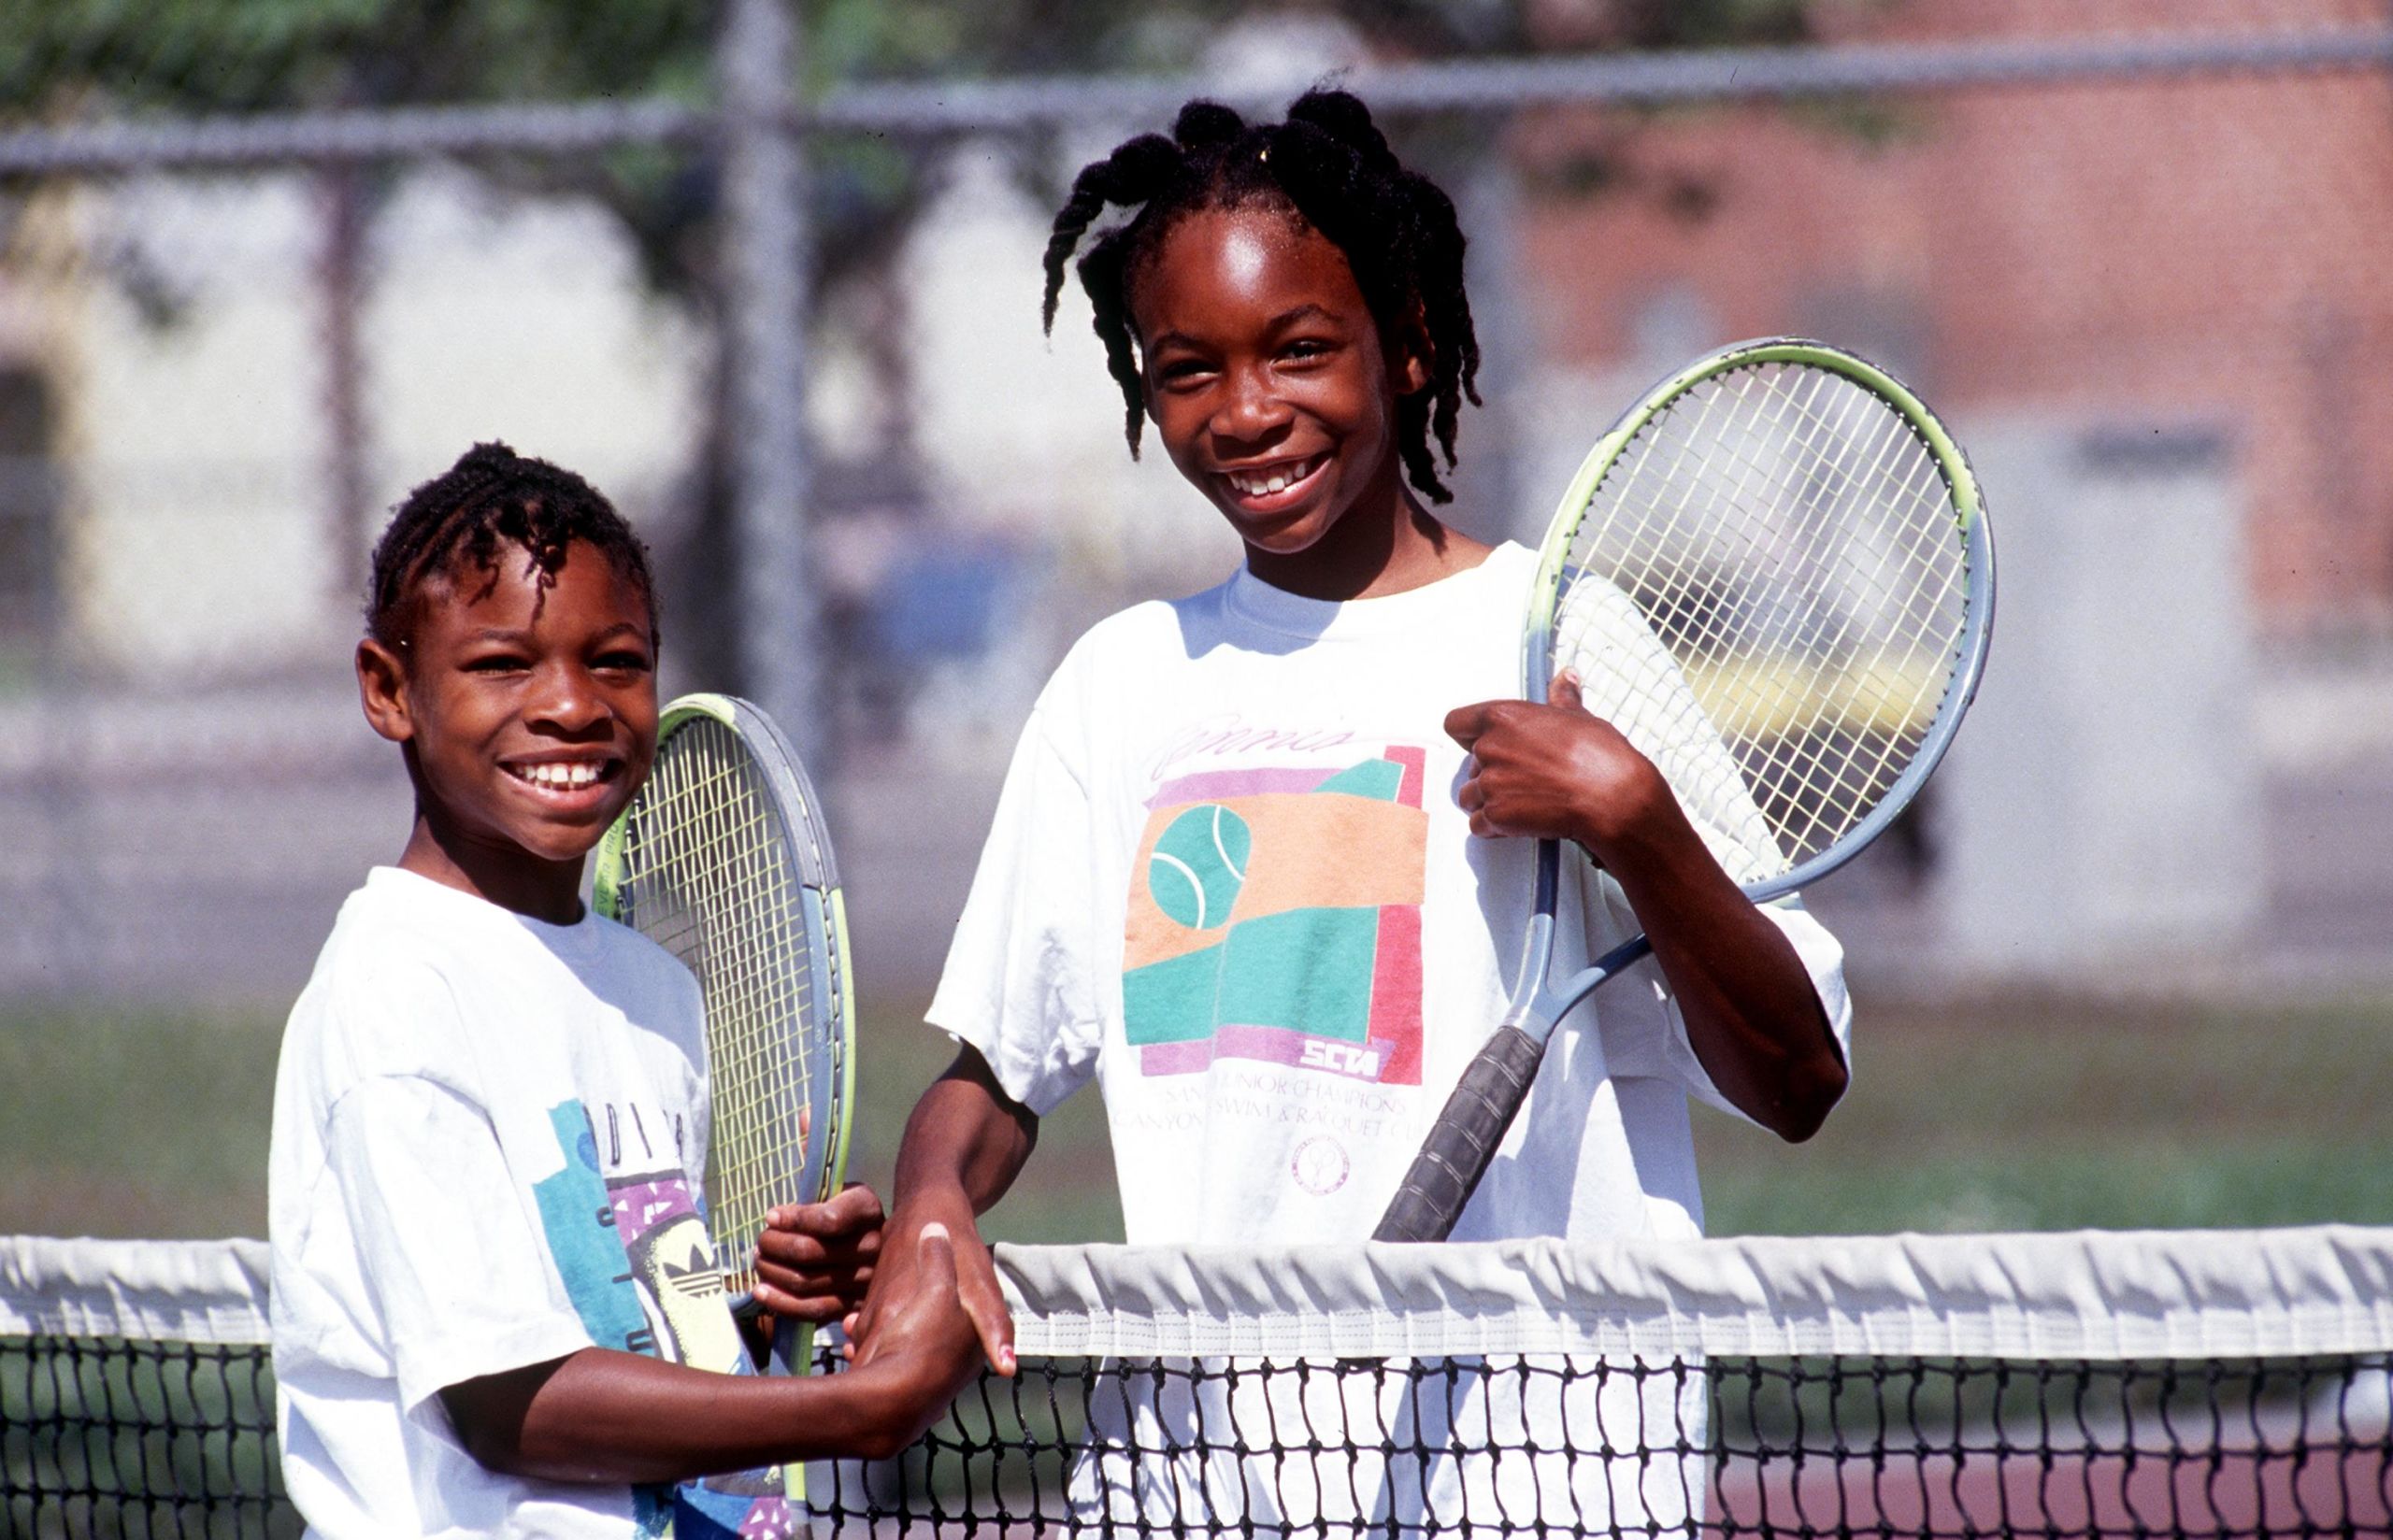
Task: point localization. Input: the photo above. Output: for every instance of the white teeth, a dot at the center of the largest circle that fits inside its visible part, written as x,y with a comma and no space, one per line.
1268,482
563,777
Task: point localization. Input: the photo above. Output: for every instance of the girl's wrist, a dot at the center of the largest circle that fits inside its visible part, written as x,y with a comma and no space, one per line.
1634,818
1644,833
944,1201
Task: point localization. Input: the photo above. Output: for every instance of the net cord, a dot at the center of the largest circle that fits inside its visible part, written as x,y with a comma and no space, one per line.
2156,1294
2177,1294
210,1292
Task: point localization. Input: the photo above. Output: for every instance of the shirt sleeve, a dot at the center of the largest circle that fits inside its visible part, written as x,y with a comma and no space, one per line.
447,1249
1019,984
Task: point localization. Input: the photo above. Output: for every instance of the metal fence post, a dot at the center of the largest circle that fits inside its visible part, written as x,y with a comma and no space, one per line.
764,235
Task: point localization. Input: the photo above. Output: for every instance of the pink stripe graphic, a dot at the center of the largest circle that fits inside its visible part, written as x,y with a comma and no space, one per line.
1395,990
1219,785
1415,761
1270,1045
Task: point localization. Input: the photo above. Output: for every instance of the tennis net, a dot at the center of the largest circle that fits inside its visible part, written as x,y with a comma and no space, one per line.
2126,1385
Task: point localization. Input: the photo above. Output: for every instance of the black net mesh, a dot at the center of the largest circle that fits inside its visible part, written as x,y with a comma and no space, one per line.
1775,1447
109,1436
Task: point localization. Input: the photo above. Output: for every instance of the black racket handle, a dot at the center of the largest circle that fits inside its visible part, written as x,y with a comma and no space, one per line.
1454,1156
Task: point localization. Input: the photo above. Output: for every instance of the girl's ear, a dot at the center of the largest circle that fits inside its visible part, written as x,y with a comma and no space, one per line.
1413,354
382,691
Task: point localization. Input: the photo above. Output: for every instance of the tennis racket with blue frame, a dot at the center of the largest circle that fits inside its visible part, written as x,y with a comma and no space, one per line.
1774,576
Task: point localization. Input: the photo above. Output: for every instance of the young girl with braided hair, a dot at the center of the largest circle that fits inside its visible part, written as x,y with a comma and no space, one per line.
1232,876
495,1310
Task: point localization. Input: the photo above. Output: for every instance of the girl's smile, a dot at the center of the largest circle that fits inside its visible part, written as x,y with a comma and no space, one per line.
1270,488
529,712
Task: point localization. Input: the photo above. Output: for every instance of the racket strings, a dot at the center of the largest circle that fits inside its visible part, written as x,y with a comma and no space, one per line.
709,873
1809,629
1789,544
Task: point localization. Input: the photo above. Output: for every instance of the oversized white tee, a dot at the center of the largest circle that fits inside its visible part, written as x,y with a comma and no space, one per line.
489,1152
1229,882
1228,879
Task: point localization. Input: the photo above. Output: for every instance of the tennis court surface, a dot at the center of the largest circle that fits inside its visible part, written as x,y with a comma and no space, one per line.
2098,1384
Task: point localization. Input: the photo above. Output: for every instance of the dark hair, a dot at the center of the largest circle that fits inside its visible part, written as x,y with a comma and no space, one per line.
493,497
1330,167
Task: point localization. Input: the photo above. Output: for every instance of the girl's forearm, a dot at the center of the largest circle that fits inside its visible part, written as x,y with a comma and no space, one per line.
604,1417
1753,1015
967,1139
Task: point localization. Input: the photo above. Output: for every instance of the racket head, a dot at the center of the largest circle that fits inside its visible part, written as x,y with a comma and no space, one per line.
1779,552
724,860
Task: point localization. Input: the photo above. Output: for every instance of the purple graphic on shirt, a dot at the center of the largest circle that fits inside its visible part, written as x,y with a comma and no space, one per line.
1219,785
673,1264
1271,1045
643,1206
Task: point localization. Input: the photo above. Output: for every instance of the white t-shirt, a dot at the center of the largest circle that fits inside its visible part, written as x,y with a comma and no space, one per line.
1228,879
489,1151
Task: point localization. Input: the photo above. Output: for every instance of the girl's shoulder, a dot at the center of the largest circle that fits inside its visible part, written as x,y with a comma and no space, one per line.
1128,657
1135,641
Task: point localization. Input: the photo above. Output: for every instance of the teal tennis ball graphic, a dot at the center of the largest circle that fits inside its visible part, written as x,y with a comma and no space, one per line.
1198,865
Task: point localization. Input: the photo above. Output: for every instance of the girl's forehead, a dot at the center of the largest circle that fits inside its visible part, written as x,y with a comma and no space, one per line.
1219,258
1245,250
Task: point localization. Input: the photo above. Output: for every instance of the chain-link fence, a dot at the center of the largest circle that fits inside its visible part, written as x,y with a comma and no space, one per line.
2135,249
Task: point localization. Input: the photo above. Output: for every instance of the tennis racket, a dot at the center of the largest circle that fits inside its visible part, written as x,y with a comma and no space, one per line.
1773,576
723,860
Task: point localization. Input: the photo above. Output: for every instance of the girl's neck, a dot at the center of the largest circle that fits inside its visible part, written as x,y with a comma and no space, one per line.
1363,557
509,876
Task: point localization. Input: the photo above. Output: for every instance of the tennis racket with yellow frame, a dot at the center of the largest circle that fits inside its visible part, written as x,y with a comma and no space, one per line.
724,860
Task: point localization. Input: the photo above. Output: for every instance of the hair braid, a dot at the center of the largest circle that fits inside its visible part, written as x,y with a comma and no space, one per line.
1136,172
493,497
1328,167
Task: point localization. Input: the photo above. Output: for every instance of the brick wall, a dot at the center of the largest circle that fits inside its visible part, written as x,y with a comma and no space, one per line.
2216,250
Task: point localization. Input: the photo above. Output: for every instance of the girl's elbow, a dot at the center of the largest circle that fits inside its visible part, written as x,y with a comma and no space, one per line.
1815,1094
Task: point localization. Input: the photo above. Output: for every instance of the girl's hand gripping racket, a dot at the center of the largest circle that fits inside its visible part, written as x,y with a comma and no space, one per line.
1774,576
723,860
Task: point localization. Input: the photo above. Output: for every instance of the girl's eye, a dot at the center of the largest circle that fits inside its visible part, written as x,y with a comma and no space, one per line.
496,663
623,663
1182,370
1306,348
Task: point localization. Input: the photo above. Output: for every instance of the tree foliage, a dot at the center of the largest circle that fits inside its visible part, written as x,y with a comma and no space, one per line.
82,59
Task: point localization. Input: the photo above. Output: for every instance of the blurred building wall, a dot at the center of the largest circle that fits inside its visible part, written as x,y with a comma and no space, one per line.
2211,247
194,432
2104,809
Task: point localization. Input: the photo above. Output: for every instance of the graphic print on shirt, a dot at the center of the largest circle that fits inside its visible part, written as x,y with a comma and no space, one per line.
637,1261
1275,915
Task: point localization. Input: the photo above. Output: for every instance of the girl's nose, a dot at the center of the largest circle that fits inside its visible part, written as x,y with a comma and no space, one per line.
568,699
1252,410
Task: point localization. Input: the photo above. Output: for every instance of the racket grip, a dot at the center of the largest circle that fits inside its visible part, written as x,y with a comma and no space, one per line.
1456,1155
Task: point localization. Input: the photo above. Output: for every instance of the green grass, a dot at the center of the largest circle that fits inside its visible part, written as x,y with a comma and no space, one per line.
137,1123
2006,1114
1064,1194
132,1123
2054,1114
